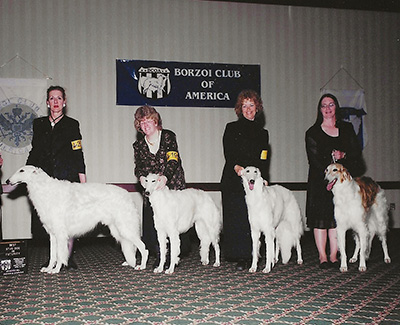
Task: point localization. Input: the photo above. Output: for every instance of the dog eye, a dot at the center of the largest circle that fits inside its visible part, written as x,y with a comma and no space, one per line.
335,169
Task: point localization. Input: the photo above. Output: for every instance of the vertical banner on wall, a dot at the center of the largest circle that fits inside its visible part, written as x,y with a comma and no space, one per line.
21,101
183,84
353,109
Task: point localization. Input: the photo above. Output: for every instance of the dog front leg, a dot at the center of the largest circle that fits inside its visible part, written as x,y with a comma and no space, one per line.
255,237
354,258
363,235
270,249
162,240
53,255
341,238
175,245
61,253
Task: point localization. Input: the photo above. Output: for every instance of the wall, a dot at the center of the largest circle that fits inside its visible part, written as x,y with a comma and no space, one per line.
299,49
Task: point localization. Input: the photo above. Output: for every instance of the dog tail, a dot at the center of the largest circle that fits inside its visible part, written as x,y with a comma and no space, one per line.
284,237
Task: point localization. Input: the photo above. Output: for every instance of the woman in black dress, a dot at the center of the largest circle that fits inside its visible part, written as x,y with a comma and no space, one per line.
328,140
57,149
245,143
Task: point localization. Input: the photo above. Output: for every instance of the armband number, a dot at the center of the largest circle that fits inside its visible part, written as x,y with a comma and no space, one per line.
76,145
172,155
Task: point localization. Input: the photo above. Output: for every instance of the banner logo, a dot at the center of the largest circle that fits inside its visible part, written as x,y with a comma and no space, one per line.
16,119
154,82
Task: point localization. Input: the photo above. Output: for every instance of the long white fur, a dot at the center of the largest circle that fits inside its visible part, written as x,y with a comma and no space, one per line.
69,210
175,212
272,210
350,214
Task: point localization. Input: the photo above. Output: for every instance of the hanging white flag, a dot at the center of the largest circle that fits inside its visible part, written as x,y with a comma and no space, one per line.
353,109
21,101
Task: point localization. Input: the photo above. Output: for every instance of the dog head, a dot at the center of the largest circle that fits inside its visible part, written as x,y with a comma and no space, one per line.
251,177
334,173
24,174
150,183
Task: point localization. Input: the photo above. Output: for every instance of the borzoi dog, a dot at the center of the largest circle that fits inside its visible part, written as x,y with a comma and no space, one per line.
360,204
272,210
175,212
70,210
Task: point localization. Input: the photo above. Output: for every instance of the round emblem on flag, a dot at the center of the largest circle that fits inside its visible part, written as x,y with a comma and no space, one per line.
16,121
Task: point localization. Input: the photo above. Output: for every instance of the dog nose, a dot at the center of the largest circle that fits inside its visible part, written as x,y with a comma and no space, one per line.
146,193
8,182
252,181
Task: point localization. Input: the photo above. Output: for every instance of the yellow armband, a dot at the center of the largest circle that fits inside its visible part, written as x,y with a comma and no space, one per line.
264,154
76,145
172,155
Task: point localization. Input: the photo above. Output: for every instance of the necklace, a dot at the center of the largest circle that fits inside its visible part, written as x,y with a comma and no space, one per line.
53,120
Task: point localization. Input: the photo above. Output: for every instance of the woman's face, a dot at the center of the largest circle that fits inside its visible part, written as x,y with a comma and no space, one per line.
148,126
249,109
56,101
328,108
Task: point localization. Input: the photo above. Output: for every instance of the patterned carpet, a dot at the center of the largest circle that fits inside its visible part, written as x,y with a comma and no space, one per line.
102,291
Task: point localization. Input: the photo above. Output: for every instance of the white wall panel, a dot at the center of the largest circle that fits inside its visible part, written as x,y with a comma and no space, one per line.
299,49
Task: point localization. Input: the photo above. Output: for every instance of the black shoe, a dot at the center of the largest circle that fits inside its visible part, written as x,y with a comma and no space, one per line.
71,264
241,265
335,265
324,265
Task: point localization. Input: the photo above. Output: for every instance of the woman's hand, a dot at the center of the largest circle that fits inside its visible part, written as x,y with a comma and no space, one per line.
337,155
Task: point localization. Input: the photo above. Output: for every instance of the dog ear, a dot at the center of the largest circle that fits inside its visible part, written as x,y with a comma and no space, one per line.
345,175
142,180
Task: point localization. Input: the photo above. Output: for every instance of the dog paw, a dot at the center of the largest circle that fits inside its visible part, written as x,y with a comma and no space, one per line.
205,262
387,260
158,269
169,271
362,268
252,269
353,260
140,267
216,264
300,262
266,270
125,263
343,269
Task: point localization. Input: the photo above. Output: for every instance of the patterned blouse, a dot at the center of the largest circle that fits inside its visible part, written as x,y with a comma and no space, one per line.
166,161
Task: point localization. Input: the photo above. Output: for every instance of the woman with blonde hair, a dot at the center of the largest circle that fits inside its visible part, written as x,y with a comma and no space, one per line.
156,151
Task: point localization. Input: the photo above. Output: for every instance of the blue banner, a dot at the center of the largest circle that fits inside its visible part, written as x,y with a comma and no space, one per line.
182,84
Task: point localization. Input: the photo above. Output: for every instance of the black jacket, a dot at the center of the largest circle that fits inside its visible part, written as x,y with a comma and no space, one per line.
246,143
58,150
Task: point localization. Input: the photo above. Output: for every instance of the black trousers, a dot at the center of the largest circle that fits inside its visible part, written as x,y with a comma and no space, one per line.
237,242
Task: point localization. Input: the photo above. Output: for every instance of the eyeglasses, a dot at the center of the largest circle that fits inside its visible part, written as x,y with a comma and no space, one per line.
147,122
328,105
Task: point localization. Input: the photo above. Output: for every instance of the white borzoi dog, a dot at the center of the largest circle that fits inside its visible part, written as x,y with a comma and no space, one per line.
175,212
273,211
69,210
360,205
